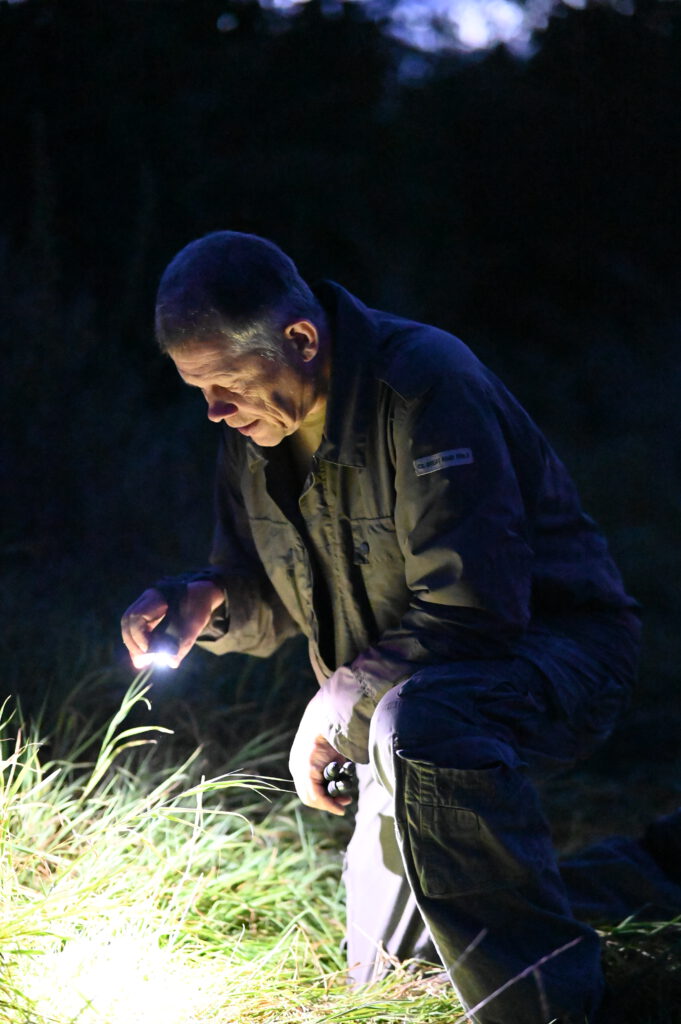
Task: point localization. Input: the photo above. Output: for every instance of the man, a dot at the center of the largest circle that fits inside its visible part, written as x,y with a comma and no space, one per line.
380,491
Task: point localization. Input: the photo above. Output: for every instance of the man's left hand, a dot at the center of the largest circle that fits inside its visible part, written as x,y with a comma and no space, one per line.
309,756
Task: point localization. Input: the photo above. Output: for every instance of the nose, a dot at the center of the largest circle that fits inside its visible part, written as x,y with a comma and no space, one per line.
219,409
221,403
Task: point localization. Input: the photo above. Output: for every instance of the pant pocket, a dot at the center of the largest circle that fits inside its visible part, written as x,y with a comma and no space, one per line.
472,830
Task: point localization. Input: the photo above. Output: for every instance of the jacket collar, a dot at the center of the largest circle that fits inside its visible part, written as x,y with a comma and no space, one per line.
353,384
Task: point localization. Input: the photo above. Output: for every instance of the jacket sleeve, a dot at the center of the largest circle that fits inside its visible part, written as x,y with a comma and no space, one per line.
463,529
254,620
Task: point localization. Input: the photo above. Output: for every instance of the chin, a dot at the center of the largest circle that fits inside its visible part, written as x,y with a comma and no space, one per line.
269,438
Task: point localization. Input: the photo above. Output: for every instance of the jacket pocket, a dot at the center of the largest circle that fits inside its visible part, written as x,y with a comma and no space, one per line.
374,541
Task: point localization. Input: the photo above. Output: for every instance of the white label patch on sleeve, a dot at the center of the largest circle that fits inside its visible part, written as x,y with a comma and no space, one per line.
441,460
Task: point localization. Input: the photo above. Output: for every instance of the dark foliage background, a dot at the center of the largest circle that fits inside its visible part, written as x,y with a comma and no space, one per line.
532,206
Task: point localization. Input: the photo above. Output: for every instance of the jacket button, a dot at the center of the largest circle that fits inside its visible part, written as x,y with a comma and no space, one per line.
362,553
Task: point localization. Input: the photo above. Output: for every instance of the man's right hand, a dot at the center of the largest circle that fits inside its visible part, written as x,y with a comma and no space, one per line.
141,618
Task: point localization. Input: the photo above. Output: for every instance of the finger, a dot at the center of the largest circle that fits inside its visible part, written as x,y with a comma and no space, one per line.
321,800
131,641
163,660
141,629
140,619
195,614
136,633
187,638
141,661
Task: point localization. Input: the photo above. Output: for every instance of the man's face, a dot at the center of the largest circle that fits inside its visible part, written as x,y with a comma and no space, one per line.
259,397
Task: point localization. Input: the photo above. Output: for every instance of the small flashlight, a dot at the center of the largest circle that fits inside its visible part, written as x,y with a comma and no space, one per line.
162,648
164,640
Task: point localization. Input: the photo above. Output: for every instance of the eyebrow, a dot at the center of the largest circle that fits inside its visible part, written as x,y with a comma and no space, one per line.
233,376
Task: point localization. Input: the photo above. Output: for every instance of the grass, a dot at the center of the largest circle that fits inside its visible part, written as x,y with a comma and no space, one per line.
134,889
642,963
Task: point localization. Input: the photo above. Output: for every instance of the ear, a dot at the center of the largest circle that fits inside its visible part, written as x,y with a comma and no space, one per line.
304,336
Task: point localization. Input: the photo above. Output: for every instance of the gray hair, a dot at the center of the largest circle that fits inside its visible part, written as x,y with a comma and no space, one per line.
237,289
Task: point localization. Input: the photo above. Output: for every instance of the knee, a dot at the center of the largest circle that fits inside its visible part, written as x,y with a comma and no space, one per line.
421,727
406,720
416,728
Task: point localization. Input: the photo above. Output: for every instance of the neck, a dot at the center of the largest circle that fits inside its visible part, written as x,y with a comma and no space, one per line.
308,436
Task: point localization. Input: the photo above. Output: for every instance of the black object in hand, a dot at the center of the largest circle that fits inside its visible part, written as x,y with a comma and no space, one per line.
341,779
164,640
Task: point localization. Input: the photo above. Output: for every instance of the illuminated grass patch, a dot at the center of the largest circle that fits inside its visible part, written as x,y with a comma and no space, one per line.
133,890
